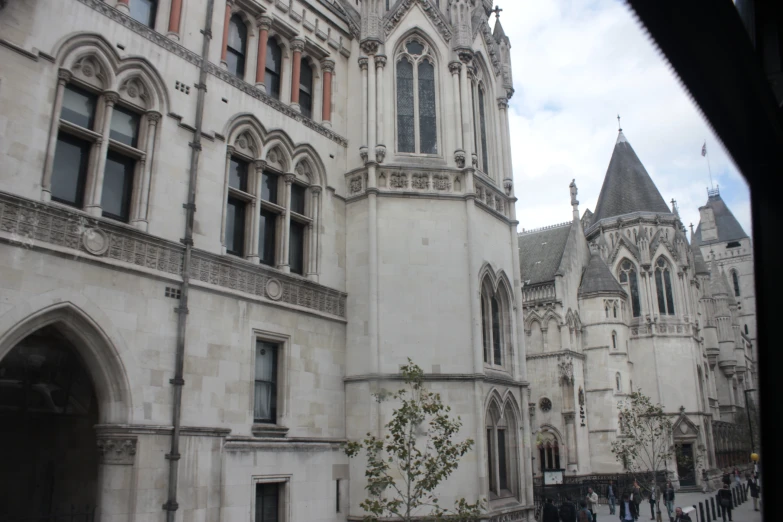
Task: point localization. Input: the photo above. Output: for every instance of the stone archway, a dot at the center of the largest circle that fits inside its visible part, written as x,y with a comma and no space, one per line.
60,376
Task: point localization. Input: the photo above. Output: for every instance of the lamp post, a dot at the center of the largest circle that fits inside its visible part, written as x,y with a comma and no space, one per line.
750,424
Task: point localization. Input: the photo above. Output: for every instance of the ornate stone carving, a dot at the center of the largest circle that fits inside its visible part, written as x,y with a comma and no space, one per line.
370,47
380,61
265,23
95,241
297,45
459,158
474,159
117,450
566,369
398,180
432,12
380,153
455,67
382,180
465,56
363,62
531,409
274,289
50,225
111,97
508,184
420,181
153,117
327,65
355,185
363,154
64,75
500,206
502,104
441,182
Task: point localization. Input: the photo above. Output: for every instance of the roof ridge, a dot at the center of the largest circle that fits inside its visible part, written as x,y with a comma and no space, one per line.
541,229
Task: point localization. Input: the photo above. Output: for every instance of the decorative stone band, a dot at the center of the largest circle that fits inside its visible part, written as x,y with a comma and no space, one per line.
238,443
545,292
32,224
495,378
117,450
665,329
557,354
167,43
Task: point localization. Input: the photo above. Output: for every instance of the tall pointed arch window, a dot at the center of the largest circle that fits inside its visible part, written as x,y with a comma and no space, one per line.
273,68
306,89
416,103
628,277
494,326
482,114
663,285
735,282
501,452
237,46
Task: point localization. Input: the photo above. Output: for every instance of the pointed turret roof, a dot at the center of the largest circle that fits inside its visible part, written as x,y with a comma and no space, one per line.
498,31
627,186
597,278
728,227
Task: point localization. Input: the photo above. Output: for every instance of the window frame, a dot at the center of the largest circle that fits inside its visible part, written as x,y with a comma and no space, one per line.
309,92
487,297
241,54
415,61
736,282
284,492
273,40
631,273
494,425
153,13
283,343
664,287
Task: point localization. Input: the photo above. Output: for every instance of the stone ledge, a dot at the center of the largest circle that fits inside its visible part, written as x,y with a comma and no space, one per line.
33,225
109,430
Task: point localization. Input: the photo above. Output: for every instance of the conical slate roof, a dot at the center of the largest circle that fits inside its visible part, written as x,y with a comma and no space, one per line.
598,278
627,186
729,228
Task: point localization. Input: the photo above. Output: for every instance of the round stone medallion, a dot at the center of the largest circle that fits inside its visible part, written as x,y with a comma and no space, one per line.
545,404
274,289
95,241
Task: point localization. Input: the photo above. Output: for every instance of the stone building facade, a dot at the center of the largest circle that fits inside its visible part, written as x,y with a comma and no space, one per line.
619,301
224,225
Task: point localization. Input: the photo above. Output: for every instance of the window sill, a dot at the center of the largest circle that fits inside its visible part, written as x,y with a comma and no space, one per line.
269,431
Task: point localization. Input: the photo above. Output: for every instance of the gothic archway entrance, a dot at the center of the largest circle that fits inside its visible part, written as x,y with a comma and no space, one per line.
48,408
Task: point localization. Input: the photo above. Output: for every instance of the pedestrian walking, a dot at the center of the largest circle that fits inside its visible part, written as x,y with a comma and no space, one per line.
652,499
753,486
727,478
584,514
737,476
567,511
726,502
610,493
550,512
668,498
592,502
706,482
636,496
628,509
681,517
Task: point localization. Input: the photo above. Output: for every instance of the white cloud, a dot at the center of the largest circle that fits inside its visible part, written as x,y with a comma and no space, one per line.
576,65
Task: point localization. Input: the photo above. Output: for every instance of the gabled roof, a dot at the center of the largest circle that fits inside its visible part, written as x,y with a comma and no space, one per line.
728,227
598,279
540,252
627,186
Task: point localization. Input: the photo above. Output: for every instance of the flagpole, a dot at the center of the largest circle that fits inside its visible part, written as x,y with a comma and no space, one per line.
707,156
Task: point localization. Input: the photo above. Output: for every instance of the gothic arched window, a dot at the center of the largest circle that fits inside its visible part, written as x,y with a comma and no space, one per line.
273,70
495,323
735,281
306,89
416,105
628,277
502,447
614,340
618,381
237,46
663,284
483,125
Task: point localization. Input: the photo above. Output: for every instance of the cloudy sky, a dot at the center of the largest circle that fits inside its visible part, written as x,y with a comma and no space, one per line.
577,64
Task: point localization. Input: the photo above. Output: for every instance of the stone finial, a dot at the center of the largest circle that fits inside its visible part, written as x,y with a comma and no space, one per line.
574,201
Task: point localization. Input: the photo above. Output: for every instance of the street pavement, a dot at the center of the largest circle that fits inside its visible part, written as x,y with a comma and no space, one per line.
742,513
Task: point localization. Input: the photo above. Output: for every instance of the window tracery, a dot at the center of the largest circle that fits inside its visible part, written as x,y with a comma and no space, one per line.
663,285
501,451
628,277
237,46
416,99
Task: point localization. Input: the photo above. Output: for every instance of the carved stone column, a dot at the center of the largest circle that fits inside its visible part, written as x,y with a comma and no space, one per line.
224,47
143,186
459,152
297,46
95,186
63,77
117,456
122,5
363,65
255,208
264,24
467,113
380,148
312,268
175,14
570,423
229,153
284,263
326,109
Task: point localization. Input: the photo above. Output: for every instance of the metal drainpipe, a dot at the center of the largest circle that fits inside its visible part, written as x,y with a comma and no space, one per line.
178,382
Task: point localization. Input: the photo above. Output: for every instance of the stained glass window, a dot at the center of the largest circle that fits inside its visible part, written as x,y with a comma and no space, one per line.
427,114
406,138
483,122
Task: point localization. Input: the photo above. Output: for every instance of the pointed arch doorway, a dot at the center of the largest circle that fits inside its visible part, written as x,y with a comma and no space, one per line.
59,377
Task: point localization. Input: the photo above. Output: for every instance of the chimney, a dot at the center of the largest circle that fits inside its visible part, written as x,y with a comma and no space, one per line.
709,232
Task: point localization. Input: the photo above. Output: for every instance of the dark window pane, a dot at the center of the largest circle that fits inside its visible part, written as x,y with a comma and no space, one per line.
70,170
637,311
306,104
306,89
117,186
490,464
124,126
735,280
235,227
272,83
502,467
415,48
542,458
557,457
78,107
265,399
298,193
237,174
274,60
296,248
266,237
143,11
623,277
496,332
269,183
427,115
405,111
267,502
667,279
659,289
483,118
237,43
485,328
